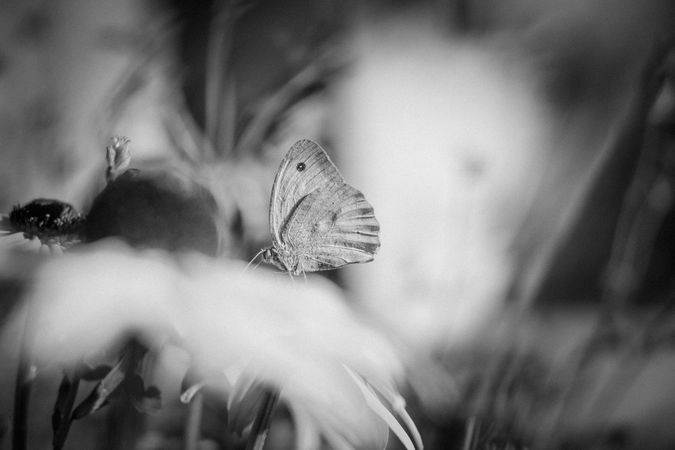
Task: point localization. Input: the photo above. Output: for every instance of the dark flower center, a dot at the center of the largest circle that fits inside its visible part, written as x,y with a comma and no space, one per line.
46,219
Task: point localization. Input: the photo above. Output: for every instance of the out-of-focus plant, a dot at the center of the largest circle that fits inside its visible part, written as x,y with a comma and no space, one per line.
520,394
299,338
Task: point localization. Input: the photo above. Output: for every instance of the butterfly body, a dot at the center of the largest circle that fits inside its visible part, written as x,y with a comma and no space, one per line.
317,221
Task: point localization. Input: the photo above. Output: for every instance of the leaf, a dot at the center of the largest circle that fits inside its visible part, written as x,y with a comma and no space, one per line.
88,373
60,406
103,390
62,417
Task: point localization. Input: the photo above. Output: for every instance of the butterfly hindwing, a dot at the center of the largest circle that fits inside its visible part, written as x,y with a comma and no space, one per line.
305,169
332,227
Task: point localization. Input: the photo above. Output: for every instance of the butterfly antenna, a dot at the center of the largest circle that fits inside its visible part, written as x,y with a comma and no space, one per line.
253,259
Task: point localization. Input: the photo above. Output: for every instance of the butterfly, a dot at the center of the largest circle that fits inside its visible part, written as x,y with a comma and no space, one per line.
317,221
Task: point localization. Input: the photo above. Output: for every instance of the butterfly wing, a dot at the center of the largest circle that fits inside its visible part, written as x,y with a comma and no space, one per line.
332,227
305,169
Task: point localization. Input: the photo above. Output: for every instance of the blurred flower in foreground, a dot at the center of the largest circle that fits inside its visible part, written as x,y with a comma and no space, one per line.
297,337
41,224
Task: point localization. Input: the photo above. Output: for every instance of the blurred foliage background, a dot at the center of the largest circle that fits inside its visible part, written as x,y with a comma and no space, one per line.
519,155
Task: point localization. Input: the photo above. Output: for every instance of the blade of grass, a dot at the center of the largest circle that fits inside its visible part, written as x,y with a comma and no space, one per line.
272,108
621,150
261,424
221,34
634,234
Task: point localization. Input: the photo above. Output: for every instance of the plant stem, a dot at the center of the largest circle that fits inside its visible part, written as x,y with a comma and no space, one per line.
194,420
25,376
24,383
261,425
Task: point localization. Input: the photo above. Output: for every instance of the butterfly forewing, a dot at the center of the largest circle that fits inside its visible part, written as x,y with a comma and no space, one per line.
332,227
305,169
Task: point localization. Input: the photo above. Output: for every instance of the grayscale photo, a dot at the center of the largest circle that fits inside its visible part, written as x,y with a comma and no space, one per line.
337,225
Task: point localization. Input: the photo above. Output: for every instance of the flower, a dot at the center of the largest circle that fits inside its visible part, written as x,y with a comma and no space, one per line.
155,209
152,208
299,338
118,157
55,224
